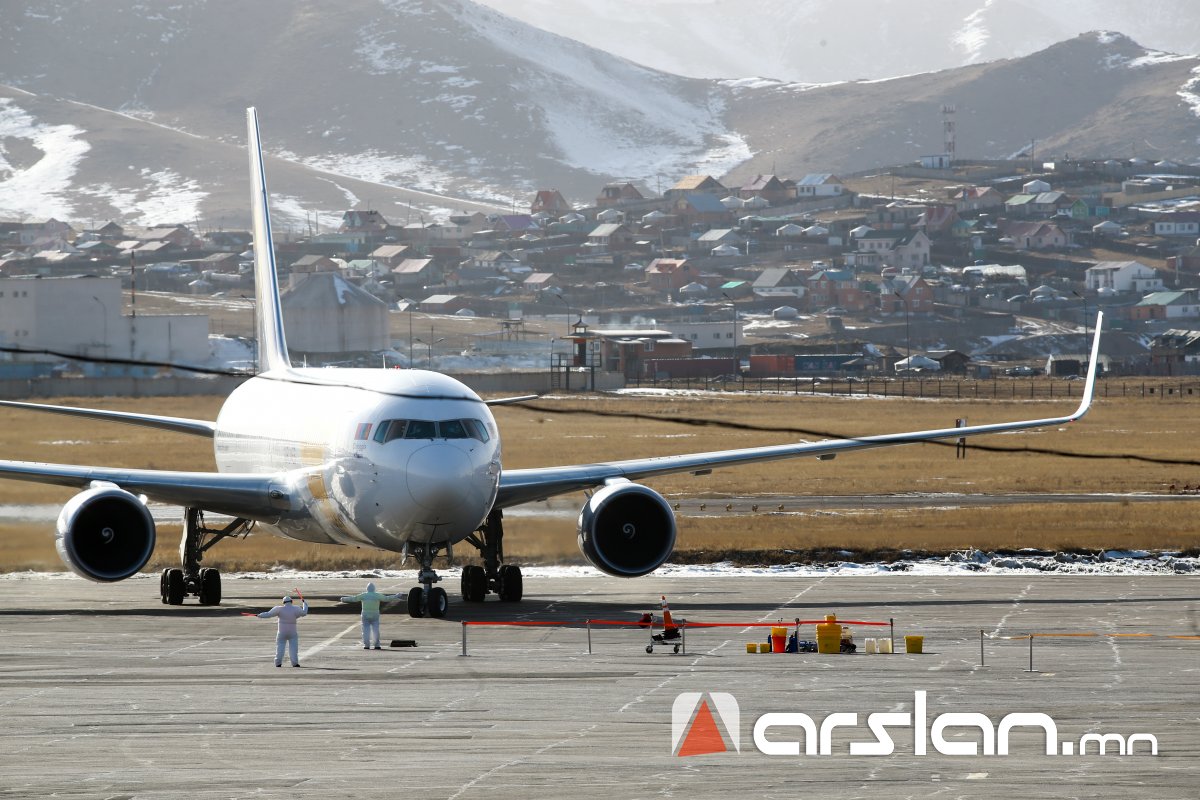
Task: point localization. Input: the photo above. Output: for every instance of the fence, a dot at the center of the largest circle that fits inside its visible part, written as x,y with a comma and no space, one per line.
993,389
682,625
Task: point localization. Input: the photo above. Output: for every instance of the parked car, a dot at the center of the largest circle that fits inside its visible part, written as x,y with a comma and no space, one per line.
1021,371
1019,298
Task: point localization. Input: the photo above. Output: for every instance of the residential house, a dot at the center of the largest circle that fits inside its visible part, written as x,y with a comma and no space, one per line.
1167,306
696,184
976,199
896,248
768,187
829,288
371,222
443,304
702,209
1179,223
611,237
1048,204
778,282
499,261
1187,261
717,237
615,194
551,202
951,362
178,236
539,282
668,274
414,272
516,224
1123,276
227,241
894,216
99,251
1175,352
937,219
1034,235
905,294
464,226
1019,205
819,185
391,255
216,262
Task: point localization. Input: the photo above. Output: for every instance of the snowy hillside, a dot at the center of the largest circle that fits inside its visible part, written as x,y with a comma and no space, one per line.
819,41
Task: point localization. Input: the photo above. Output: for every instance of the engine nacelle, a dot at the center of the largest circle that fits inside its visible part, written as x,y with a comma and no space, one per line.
105,534
626,530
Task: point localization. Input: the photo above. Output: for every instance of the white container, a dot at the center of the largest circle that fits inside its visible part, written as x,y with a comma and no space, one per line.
885,645
869,646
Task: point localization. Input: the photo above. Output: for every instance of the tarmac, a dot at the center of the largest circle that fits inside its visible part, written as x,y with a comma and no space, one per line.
107,693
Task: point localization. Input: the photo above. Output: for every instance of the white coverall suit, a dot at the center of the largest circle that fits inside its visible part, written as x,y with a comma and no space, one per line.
287,634
370,600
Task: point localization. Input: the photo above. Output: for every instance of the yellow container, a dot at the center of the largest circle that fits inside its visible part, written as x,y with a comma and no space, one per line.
829,635
763,647
914,644
751,647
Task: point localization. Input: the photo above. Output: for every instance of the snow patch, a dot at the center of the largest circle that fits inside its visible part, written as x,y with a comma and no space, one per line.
42,189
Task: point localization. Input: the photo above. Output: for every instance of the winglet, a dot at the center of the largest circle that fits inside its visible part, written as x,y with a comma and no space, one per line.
272,346
1089,385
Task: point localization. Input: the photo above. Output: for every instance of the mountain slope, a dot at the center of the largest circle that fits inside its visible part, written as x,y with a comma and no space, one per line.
134,112
1098,94
442,95
819,41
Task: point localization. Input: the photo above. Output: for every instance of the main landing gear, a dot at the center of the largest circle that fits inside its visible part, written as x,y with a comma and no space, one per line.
503,579
204,583
477,581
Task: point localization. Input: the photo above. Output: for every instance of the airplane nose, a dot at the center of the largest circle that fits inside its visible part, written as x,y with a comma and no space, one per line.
439,478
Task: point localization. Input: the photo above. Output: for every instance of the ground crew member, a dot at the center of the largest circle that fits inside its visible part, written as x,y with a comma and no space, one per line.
370,600
287,634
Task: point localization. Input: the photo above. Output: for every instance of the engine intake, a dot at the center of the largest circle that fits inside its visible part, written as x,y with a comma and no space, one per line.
105,534
626,530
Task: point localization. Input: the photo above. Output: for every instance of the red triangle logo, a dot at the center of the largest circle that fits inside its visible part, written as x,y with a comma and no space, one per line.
704,736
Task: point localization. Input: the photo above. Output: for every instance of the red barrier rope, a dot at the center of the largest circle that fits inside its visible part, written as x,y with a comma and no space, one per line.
520,622
678,624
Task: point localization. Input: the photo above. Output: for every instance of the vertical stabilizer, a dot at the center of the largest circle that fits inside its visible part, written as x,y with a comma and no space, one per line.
272,347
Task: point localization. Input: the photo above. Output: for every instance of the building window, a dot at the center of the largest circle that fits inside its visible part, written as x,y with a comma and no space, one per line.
716,335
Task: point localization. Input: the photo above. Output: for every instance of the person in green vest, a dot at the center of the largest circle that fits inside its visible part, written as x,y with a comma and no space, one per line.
370,600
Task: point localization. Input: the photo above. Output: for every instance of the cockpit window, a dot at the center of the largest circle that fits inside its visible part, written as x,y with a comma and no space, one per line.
391,429
452,429
421,429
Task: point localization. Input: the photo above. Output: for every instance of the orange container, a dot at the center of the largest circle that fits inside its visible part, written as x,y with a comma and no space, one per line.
778,640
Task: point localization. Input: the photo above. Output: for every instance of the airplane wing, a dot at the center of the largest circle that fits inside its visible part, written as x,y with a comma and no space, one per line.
194,427
253,496
527,485
507,401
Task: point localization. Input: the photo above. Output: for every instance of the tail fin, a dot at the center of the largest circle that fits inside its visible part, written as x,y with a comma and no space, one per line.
272,347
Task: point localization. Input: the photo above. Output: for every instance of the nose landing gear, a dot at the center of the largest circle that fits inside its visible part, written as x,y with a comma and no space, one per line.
427,599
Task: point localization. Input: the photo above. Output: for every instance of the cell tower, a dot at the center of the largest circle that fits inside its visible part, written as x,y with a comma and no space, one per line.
948,128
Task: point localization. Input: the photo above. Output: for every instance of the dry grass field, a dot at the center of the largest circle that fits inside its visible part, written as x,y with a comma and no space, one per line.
563,431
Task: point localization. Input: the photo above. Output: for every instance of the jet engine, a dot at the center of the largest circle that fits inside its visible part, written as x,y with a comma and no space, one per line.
105,534
626,530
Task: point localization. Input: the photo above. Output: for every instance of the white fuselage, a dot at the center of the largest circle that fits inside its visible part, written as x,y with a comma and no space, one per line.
372,457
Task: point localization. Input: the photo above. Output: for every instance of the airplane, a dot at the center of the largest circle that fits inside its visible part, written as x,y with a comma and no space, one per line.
407,461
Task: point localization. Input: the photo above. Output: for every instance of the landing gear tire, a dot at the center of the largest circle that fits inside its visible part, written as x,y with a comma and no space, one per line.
162,586
474,583
416,608
512,585
437,603
210,587
176,587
